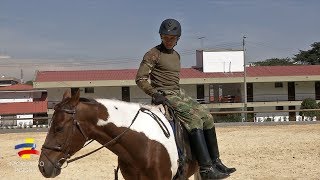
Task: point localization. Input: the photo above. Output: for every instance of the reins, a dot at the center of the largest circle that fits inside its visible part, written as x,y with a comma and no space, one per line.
161,124
142,109
76,124
108,143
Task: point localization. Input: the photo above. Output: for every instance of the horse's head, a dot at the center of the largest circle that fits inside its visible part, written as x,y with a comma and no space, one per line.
65,137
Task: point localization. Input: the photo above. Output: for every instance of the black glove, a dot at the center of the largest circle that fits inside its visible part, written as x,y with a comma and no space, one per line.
158,98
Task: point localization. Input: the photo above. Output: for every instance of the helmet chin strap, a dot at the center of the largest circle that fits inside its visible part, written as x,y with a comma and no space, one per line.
167,48
173,46
177,41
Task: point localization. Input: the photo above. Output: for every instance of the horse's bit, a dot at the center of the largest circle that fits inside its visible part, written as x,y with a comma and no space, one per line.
65,148
76,125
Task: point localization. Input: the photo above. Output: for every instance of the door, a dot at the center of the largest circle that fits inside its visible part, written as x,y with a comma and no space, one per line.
291,91
249,92
126,93
200,93
74,91
317,90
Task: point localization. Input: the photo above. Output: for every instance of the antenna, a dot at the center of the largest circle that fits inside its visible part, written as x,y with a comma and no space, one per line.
21,76
201,41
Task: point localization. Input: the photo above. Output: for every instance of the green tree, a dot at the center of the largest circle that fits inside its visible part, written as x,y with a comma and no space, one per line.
29,82
309,103
274,62
311,56
228,118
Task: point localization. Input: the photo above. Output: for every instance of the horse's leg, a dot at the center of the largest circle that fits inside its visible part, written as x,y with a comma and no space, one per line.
128,172
196,175
193,169
155,175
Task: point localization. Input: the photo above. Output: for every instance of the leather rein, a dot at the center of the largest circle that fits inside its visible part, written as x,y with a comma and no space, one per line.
76,126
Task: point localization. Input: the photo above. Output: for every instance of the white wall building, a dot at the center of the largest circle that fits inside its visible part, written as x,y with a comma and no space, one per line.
269,88
20,101
220,61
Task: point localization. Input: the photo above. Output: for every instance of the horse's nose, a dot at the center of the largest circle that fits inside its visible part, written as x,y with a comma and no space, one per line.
45,171
41,164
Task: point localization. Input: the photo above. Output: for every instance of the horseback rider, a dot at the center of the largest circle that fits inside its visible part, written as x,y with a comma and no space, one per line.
161,65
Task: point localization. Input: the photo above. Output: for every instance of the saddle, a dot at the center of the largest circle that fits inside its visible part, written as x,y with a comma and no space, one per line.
182,141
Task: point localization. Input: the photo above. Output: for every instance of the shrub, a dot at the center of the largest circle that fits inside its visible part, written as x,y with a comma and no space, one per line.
309,103
228,118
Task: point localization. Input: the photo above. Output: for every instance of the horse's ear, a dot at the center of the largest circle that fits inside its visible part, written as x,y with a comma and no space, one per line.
66,94
75,97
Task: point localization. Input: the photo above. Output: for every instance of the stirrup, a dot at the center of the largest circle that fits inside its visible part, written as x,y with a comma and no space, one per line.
223,168
210,173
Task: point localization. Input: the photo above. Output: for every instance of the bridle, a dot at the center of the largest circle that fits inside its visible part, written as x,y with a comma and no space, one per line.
65,149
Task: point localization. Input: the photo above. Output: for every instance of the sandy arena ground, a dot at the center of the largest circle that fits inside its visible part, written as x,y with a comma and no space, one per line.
258,152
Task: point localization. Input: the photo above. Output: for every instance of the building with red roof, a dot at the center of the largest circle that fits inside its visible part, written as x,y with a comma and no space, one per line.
21,101
268,87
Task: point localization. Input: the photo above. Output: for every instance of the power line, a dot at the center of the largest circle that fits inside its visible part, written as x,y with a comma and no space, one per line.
270,46
96,62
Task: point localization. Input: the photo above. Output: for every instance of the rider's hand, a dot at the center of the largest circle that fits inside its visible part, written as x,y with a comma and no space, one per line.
158,98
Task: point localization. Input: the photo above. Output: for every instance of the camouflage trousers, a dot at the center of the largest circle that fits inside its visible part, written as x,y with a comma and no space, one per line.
192,114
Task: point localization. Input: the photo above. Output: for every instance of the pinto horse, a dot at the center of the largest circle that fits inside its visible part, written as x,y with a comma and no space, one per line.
139,135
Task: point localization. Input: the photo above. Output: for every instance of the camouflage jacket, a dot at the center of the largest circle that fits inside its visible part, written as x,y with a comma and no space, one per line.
162,67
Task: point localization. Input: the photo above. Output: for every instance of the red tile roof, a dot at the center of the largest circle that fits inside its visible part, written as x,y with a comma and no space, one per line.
23,107
306,70
85,75
186,73
16,87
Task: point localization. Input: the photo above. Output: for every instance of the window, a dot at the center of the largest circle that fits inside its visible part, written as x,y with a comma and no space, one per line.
279,107
89,90
278,85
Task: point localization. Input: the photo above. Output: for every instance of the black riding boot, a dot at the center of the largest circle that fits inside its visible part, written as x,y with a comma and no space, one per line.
198,144
212,144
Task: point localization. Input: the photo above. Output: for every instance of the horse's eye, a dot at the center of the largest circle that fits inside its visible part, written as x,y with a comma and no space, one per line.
58,129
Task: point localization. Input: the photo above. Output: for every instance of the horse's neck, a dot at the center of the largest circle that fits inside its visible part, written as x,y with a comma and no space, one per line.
120,116
115,139
120,113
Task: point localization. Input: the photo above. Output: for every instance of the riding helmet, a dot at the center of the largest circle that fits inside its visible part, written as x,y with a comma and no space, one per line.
170,27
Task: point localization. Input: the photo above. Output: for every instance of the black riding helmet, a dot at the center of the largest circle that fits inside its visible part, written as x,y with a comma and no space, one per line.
170,27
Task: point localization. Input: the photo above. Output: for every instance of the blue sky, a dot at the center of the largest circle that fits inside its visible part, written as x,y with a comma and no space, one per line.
114,34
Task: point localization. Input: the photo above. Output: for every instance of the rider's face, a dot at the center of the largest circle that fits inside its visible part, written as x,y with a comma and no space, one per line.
169,41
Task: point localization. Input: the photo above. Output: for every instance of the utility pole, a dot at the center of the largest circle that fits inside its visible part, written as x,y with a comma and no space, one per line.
244,79
21,77
201,41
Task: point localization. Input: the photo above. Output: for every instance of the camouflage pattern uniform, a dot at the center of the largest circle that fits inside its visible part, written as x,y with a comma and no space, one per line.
162,67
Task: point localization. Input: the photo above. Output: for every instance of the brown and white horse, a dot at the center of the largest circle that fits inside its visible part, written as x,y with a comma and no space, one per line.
145,145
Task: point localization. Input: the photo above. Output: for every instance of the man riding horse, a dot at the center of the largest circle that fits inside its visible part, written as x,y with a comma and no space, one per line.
161,65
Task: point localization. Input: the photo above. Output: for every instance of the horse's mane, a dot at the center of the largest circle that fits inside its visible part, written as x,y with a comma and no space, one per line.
88,100
81,99
128,105
92,101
